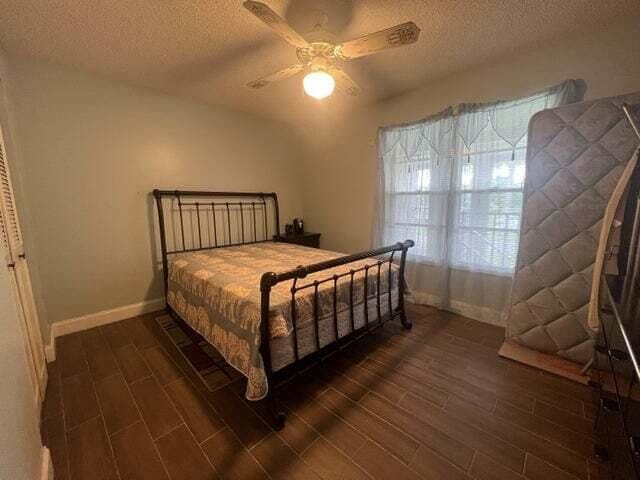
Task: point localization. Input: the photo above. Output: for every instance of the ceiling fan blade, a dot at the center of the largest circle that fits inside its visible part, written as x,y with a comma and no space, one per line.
403,34
274,77
344,82
276,22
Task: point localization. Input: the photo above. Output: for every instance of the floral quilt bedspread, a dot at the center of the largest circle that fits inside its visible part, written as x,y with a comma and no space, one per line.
217,292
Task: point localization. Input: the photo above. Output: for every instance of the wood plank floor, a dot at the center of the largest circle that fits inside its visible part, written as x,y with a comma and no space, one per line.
435,402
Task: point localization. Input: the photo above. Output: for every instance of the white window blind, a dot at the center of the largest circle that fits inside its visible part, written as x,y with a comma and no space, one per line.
453,182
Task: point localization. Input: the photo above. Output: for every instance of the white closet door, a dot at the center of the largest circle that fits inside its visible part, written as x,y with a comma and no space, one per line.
16,262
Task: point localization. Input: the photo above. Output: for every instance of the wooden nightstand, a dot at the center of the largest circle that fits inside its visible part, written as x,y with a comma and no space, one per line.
308,239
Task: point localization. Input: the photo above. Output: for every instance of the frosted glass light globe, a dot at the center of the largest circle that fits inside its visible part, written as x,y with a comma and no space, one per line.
318,84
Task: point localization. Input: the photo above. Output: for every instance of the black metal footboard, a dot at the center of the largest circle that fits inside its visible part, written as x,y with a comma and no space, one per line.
270,279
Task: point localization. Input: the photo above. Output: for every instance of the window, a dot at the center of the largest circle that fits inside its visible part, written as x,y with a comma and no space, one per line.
487,203
454,183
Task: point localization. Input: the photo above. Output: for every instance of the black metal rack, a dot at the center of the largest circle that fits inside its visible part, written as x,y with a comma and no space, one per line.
617,382
616,372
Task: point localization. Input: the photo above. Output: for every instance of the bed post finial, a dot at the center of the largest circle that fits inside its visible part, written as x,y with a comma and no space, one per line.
268,280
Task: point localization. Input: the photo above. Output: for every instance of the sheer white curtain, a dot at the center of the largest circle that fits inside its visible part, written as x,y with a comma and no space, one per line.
453,183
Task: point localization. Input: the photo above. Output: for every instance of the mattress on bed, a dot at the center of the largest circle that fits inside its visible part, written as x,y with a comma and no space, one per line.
217,292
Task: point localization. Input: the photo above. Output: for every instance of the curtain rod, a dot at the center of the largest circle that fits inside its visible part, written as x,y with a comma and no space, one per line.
577,84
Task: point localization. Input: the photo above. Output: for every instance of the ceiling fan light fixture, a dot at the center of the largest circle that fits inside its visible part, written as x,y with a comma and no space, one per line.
318,54
318,84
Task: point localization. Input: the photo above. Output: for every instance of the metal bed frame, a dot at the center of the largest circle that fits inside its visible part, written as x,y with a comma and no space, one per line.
246,206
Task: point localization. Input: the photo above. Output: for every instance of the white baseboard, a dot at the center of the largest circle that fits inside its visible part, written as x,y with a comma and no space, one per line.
43,378
50,347
46,470
482,314
85,322
475,312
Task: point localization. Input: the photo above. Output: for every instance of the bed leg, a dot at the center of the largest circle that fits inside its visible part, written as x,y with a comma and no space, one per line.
406,322
278,415
267,281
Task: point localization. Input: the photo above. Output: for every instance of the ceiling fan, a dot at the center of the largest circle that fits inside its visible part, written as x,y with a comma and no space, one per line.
319,57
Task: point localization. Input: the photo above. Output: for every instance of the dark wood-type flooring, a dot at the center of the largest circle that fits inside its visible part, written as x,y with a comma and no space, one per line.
435,402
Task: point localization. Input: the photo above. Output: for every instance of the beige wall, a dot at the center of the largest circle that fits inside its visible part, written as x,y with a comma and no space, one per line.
91,150
88,151
341,171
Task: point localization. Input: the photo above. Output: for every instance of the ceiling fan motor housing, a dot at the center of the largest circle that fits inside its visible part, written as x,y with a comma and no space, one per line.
322,51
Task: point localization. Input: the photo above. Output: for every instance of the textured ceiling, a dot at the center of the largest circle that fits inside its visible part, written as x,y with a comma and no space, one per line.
209,50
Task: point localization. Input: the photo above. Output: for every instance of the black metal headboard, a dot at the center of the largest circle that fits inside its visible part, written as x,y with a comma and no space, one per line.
198,220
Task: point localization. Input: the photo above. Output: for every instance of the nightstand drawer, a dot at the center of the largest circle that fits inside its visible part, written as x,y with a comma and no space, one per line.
307,239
